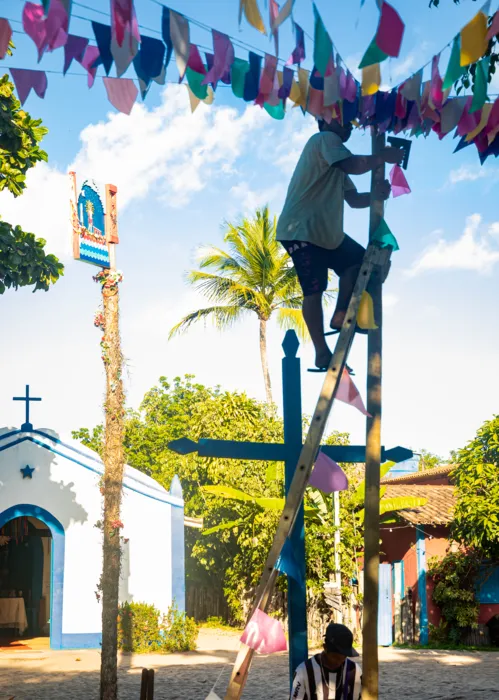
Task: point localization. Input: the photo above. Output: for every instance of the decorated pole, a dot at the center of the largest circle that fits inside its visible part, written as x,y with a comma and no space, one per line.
95,235
370,672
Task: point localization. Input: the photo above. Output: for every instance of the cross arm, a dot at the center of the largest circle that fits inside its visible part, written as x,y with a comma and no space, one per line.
231,449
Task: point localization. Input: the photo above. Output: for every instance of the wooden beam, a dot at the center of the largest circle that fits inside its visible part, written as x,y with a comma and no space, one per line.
370,671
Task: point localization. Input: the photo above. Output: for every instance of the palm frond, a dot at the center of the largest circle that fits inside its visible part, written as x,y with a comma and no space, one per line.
223,317
223,289
293,319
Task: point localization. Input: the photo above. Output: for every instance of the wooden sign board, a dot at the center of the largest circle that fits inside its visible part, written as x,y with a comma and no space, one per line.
94,230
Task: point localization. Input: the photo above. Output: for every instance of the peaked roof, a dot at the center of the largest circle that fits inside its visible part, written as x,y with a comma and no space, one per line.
70,449
424,477
439,507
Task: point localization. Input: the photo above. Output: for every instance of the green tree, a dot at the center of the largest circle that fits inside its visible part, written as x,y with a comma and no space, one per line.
253,275
23,261
428,460
476,517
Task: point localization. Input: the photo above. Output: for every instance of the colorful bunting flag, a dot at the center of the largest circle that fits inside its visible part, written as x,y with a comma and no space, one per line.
390,31
474,37
102,33
371,79
298,54
494,27
348,393
25,80
365,314
48,33
274,13
411,88
252,79
264,634
122,93
373,55
481,83
398,182
287,564
238,76
483,118
149,63
327,475
286,78
179,34
323,46
283,15
468,121
124,22
74,49
223,58
166,34
451,114
5,36
436,97
88,62
252,14
385,237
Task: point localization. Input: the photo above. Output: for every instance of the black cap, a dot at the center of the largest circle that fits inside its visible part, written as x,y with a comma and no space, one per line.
339,639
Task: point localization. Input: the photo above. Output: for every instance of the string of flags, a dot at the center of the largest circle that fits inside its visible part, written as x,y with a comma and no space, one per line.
327,91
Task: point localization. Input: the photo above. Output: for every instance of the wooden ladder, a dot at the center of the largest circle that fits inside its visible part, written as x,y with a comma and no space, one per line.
375,257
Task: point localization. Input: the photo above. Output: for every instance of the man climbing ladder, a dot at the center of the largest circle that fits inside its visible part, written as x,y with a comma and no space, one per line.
375,261
311,224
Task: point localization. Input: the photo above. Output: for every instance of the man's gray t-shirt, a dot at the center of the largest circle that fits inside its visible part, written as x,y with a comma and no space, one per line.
313,210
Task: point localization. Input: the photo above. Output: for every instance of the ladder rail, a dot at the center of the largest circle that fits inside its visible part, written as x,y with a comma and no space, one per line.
374,256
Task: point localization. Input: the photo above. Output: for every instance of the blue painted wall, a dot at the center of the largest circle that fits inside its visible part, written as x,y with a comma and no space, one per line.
421,562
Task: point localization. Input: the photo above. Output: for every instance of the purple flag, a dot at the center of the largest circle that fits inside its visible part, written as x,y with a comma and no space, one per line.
34,25
89,57
287,82
223,58
264,634
74,49
298,54
5,36
328,476
24,80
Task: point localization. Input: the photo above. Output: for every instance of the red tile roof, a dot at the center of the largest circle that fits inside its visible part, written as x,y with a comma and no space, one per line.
439,507
421,477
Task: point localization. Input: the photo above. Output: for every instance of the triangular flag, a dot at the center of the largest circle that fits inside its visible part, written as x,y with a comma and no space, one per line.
124,22
179,33
298,54
371,80
25,80
398,182
102,33
365,314
283,15
451,114
436,97
373,55
348,393
212,696
385,237
264,634
390,31
323,46
484,115
494,27
223,58
5,36
252,14
274,13
474,38
122,93
267,79
74,49
327,475
123,55
287,564
411,88
481,83
238,75
454,69
89,58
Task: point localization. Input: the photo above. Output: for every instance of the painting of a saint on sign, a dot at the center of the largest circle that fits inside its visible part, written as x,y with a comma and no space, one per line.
90,217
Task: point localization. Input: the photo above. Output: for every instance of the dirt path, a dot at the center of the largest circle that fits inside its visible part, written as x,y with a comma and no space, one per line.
426,675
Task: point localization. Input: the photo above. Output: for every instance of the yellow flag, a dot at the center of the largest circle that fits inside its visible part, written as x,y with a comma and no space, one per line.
486,110
252,13
299,90
192,99
474,39
371,79
365,314
208,100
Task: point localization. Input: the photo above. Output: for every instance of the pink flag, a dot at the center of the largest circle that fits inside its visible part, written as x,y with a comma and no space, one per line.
264,634
315,102
124,20
47,33
223,58
274,13
267,79
5,36
348,86
390,31
121,93
89,57
34,25
348,393
493,121
494,27
436,91
398,182
328,476
24,80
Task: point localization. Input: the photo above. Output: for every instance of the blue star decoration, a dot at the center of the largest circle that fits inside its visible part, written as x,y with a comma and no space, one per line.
27,472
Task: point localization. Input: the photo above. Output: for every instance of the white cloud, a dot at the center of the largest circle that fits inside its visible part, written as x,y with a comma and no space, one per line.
471,173
472,251
246,200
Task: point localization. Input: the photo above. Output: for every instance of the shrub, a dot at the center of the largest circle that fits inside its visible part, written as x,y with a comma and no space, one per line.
138,627
178,632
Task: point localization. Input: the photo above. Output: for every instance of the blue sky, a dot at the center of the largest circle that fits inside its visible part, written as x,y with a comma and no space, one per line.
181,175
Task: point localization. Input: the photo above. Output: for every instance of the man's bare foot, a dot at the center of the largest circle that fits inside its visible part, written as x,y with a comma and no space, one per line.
337,320
323,359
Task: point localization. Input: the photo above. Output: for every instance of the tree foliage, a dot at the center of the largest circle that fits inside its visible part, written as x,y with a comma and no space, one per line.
23,261
428,460
476,518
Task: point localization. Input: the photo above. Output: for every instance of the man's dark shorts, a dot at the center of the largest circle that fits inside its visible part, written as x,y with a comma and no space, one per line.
312,263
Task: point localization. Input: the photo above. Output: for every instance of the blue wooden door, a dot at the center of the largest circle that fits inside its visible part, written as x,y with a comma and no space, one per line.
385,633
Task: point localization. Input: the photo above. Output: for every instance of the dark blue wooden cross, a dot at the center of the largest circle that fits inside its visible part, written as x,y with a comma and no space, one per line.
288,452
26,425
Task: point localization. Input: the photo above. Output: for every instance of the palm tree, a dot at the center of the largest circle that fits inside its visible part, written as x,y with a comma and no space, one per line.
254,275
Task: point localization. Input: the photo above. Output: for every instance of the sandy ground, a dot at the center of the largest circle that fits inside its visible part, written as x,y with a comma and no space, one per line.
70,675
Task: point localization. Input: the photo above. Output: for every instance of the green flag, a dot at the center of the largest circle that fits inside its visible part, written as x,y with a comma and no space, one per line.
238,74
480,86
385,237
277,111
454,69
373,55
46,5
323,46
195,79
